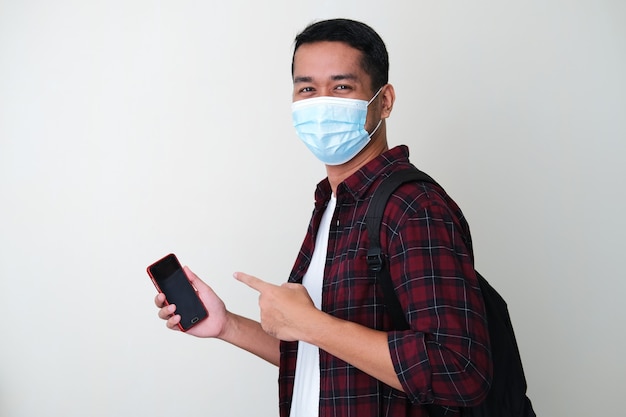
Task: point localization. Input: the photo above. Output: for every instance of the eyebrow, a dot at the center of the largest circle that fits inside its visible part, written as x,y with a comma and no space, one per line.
338,77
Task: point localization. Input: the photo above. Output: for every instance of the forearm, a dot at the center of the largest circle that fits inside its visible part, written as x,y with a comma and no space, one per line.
361,347
248,334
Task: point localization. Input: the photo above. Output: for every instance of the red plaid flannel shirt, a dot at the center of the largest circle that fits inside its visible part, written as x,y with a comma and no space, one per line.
445,357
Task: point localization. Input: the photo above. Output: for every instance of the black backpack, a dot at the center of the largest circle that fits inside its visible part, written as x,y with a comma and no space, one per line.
507,395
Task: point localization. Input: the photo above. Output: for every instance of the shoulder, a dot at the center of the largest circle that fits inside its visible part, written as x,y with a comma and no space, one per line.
415,197
416,207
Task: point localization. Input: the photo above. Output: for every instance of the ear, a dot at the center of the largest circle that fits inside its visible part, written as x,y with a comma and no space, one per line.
388,97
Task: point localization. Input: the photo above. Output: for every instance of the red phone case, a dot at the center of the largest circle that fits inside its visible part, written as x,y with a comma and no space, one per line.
171,259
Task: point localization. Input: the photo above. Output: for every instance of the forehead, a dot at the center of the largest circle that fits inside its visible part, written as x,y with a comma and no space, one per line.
325,60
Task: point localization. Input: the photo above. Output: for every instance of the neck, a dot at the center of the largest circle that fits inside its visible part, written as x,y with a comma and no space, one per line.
338,173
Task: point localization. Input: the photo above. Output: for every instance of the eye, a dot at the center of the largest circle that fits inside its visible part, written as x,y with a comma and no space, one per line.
343,90
304,92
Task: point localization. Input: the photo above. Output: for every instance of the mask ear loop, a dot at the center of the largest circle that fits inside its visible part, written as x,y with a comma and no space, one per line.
375,95
381,120
376,128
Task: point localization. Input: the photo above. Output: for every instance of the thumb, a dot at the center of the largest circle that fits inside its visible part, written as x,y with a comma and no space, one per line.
197,283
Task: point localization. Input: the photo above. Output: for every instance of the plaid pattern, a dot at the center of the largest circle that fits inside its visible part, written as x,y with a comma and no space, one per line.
445,357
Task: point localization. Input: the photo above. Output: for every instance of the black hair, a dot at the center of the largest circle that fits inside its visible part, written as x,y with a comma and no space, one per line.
358,35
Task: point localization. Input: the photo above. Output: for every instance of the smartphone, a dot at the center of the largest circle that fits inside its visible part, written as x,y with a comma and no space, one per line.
169,278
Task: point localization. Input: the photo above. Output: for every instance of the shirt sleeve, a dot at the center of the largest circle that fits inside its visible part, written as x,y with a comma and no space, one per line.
445,356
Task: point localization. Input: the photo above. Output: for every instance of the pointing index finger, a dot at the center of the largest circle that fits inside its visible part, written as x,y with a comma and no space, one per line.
251,281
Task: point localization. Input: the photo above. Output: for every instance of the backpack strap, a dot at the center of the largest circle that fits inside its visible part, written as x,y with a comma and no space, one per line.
373,220
376,260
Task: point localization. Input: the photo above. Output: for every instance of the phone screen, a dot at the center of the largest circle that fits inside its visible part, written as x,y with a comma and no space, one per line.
169,278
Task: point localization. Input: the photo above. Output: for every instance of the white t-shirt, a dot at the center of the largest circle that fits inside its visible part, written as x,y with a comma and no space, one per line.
306,387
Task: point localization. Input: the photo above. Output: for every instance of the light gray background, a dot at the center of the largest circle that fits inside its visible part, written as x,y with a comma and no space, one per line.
129,129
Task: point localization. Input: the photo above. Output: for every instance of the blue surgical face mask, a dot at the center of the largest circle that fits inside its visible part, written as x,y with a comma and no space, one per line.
333,128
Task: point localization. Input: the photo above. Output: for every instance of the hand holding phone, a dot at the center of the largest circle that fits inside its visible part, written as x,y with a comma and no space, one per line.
169,278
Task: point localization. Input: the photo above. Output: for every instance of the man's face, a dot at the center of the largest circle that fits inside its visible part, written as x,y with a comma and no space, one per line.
332,69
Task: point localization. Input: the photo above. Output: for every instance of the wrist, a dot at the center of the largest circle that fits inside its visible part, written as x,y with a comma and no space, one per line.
229,328
317,327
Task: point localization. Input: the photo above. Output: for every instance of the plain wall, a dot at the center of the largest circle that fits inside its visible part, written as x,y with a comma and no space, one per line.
130,129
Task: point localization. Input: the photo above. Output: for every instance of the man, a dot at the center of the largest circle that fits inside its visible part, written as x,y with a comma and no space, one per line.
327,328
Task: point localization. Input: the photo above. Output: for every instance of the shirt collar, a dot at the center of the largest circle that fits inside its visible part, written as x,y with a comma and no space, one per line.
359,183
